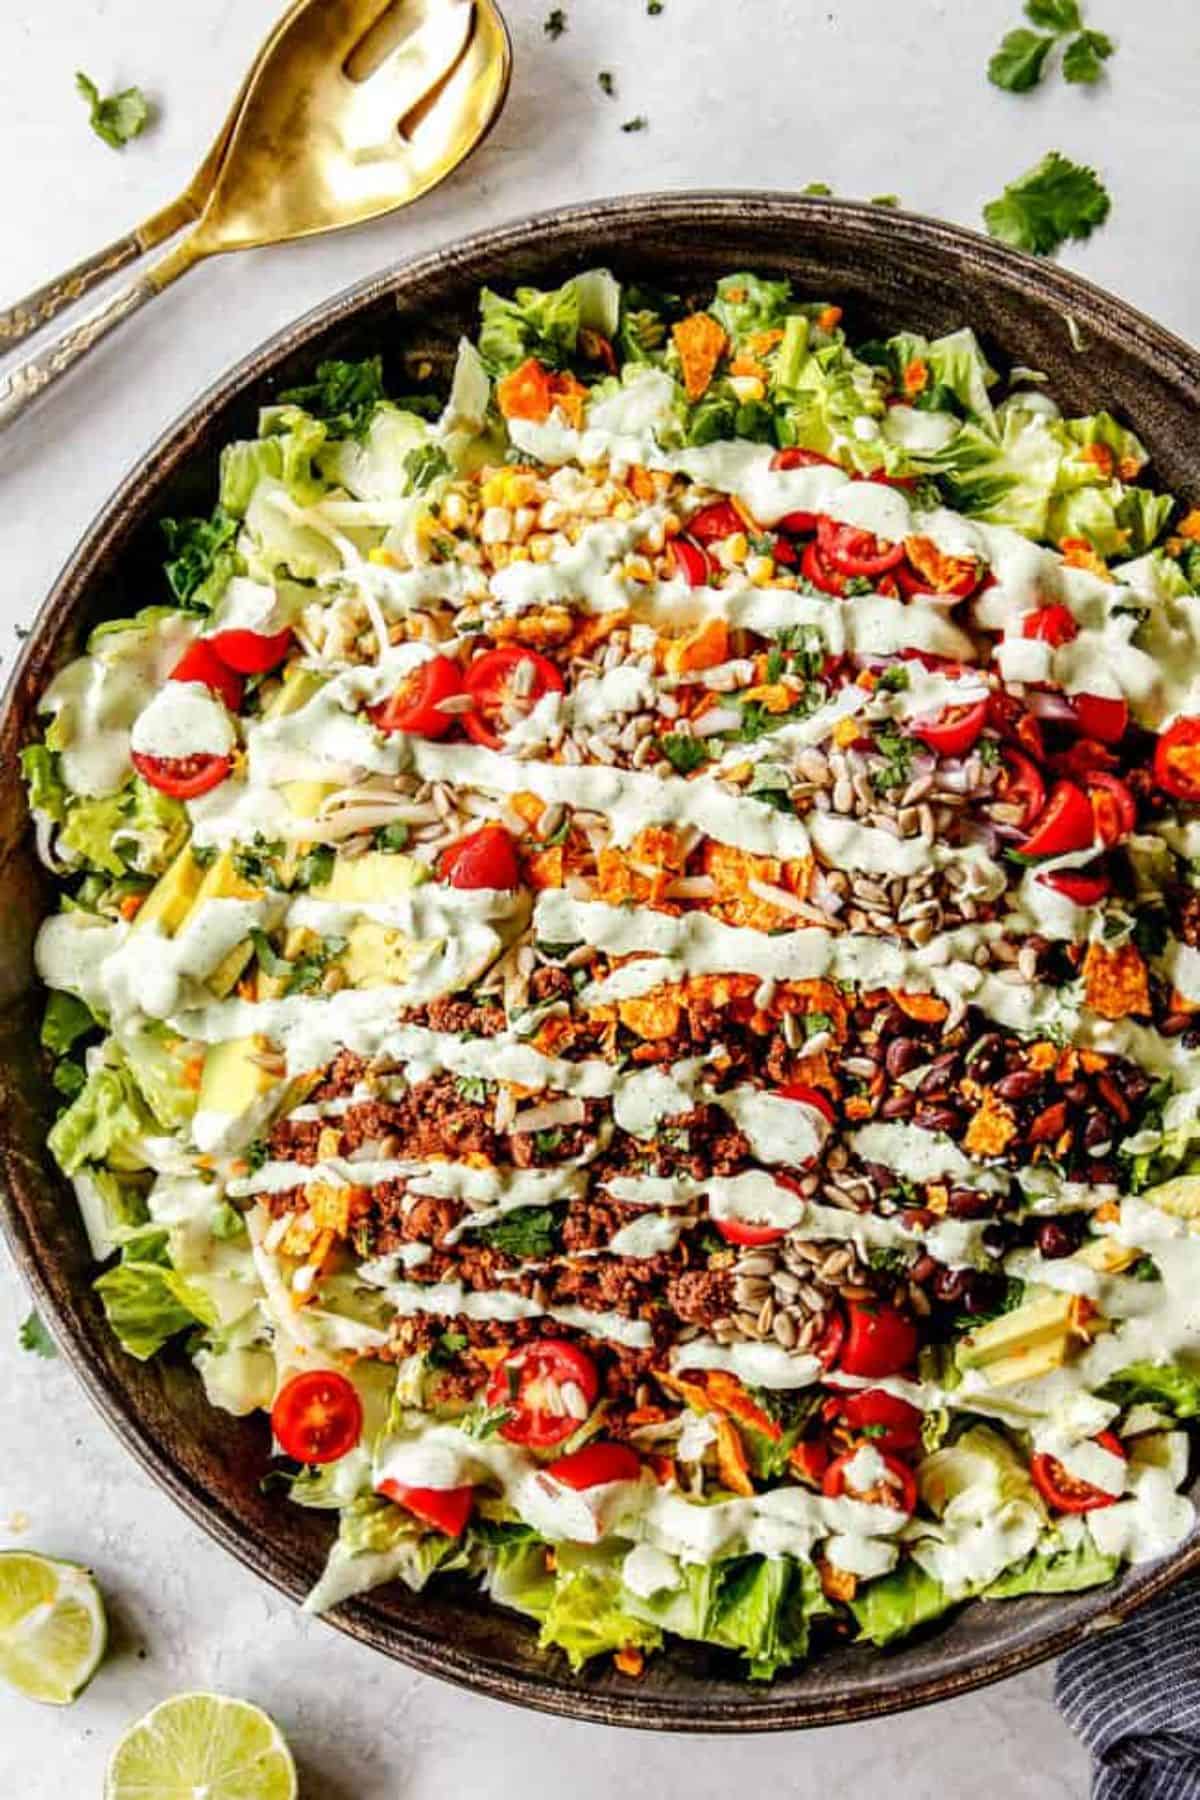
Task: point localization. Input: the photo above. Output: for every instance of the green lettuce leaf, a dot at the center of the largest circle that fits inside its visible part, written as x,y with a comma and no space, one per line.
146,1300
158,1061
764,1609
1167,1385
90,830
1056,1570
107,1123
520,1575
541,322
243,465
202,558
344,395
376,1543
46,789
894,1604
1007,478
746,303
65,1020
153,828
585,1618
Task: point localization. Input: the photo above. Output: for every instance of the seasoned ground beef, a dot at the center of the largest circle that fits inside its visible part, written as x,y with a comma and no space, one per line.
700,1296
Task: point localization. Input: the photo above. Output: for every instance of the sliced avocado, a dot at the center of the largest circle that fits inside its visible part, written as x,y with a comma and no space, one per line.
1025,1365
232,1080
170,899
376,955
295,690
1107,1256
1037,1322
376,876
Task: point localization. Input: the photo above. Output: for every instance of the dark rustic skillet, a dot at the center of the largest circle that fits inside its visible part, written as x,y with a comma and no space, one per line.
888,270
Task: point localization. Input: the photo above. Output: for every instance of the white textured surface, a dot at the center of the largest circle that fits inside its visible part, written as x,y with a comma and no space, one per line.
769,93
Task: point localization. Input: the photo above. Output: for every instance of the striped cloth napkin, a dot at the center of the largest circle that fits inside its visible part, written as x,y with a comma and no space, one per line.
1133,1696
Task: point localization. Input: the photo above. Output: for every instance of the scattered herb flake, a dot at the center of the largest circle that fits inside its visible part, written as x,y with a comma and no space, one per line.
34,1337
530,1233
683,753
1053,15
1055,200
606,82
1018,64
556,24
114,117
1085,56
473,1089
636,124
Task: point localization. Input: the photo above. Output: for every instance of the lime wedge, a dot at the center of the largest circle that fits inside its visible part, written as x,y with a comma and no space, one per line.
52,1626
202,1747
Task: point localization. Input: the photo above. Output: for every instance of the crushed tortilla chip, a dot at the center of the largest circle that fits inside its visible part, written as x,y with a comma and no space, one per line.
525,392
926,1009
546,868
701,343
731,1457
1115,982
773,697
992,1128
1189,526
703,648
629,1660
1078,553
653,1017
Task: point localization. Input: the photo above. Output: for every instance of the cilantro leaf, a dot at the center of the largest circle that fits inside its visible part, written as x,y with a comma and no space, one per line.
202,558
114,117
1055,200
1017,65
34,1337
1085,56
345,395
530,1232
424,465
683,753
315,867
1053,15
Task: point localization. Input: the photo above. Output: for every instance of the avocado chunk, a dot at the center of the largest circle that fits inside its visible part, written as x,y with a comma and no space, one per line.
357,880
170,899
235,1090
1023,1336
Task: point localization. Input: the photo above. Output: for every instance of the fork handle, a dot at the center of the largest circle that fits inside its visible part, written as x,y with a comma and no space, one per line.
30,379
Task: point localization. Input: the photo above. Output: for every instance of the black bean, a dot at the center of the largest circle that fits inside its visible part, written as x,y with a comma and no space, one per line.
903,1054
969,1203
1097,1131
982,1293
1058,1237
938,1074
987,1055
1019,1085
1078,1093
897,1105
937,1118
949,1285
1175,1024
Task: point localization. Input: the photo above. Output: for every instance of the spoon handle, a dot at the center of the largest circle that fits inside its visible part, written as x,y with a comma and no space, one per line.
31,379
24,317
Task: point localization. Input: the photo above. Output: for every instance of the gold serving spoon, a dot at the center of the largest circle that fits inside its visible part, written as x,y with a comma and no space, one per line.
352,108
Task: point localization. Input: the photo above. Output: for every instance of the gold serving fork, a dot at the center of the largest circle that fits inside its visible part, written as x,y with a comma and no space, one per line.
352,108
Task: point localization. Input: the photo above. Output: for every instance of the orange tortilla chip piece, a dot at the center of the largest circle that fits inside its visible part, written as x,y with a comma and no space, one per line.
731,1457
926,1009
1115,982
656,1016
703,648
701,343
526,393
992,1128
546,868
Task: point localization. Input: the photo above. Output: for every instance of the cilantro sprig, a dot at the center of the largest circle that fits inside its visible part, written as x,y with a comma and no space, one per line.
1020,61
114,117
1055,200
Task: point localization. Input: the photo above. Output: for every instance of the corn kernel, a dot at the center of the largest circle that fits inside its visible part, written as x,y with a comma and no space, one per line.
672,525
551,514
748,387
624,509
519,553
736,548
524,520
785,581
540,547
653,541
454,510
493,489
380,555
760,569
845,732
496,525
639,568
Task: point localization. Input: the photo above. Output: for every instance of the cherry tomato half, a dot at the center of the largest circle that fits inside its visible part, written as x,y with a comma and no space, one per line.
1086,887
689,560
1099,717
881,1340
815,569
1177,759
1053,625
828,1346
1062,1490
200,662
1016,723
897,1487
596,1465
317,1417
501,678
484,859
446,1509
548,1387
712,523
182,777
929,571
795,458
414,707
808,1096
252,652
748,1236
1021,785
856,552
889,1422
1114,809
1065,824
954,730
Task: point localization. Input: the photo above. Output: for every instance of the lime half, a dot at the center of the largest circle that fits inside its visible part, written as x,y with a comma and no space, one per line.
52,1626
202,1747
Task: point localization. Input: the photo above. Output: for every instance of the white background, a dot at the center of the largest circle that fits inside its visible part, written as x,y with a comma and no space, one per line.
867,95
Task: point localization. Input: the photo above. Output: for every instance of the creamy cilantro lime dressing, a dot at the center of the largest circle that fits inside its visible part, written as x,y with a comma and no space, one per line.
183,719
451,1300
96,699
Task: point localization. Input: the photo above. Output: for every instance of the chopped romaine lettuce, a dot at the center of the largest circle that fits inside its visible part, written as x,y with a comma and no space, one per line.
894,1604
107,1123
147,1301
1167,1385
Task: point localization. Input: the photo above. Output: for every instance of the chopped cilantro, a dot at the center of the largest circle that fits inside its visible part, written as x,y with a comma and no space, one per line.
391,838
530,1232
304,973
547,1142
1085,56
638,124
556,24
256,862
256,1154
654,7
1055,200
815,1022
893,1263
819,190
898,752
114,117
483,1421
1017,65
68,1078
606,83
1053,15
34,1337
894,678
425,465
683,753
345,395
885,200
1146,1269
315,866
473,1089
